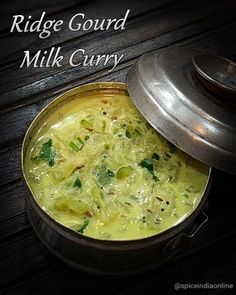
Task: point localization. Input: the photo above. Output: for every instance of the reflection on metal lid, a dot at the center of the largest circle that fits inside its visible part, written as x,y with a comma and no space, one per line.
165,87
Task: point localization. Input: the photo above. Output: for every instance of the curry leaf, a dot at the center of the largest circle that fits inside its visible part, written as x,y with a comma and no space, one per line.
77,183
148,164
46,153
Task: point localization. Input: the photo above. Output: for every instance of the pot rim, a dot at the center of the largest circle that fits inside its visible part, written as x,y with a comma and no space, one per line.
80,238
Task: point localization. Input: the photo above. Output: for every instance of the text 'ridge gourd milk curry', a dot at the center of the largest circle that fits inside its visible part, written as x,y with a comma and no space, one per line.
100,169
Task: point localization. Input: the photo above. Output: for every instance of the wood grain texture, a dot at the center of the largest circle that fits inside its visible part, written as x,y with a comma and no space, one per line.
209,41
26,266
94,10
138,31
34,8
61,77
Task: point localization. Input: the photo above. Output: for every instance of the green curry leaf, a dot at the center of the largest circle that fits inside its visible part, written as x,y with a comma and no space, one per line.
77,183
148,164
105,175
46,153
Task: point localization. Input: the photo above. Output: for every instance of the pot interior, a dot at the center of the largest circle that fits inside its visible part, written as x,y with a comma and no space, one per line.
144,164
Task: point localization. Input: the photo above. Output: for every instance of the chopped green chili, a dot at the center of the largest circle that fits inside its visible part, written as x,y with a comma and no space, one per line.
87,125
76,144
84,226
124,172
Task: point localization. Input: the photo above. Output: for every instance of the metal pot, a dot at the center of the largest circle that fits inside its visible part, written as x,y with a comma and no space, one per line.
99,256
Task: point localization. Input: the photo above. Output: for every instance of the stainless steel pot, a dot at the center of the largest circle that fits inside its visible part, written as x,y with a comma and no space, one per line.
98,256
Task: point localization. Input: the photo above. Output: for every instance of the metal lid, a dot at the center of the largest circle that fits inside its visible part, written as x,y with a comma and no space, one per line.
165,87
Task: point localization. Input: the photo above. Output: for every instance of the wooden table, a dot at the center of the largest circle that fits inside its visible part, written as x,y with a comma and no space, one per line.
26,267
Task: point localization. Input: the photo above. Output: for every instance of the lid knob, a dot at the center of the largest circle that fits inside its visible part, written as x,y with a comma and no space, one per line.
217,74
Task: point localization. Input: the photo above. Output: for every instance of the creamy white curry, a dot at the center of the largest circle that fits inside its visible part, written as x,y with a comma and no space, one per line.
100,169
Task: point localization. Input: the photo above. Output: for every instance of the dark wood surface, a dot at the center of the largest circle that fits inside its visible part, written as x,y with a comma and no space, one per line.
26,267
